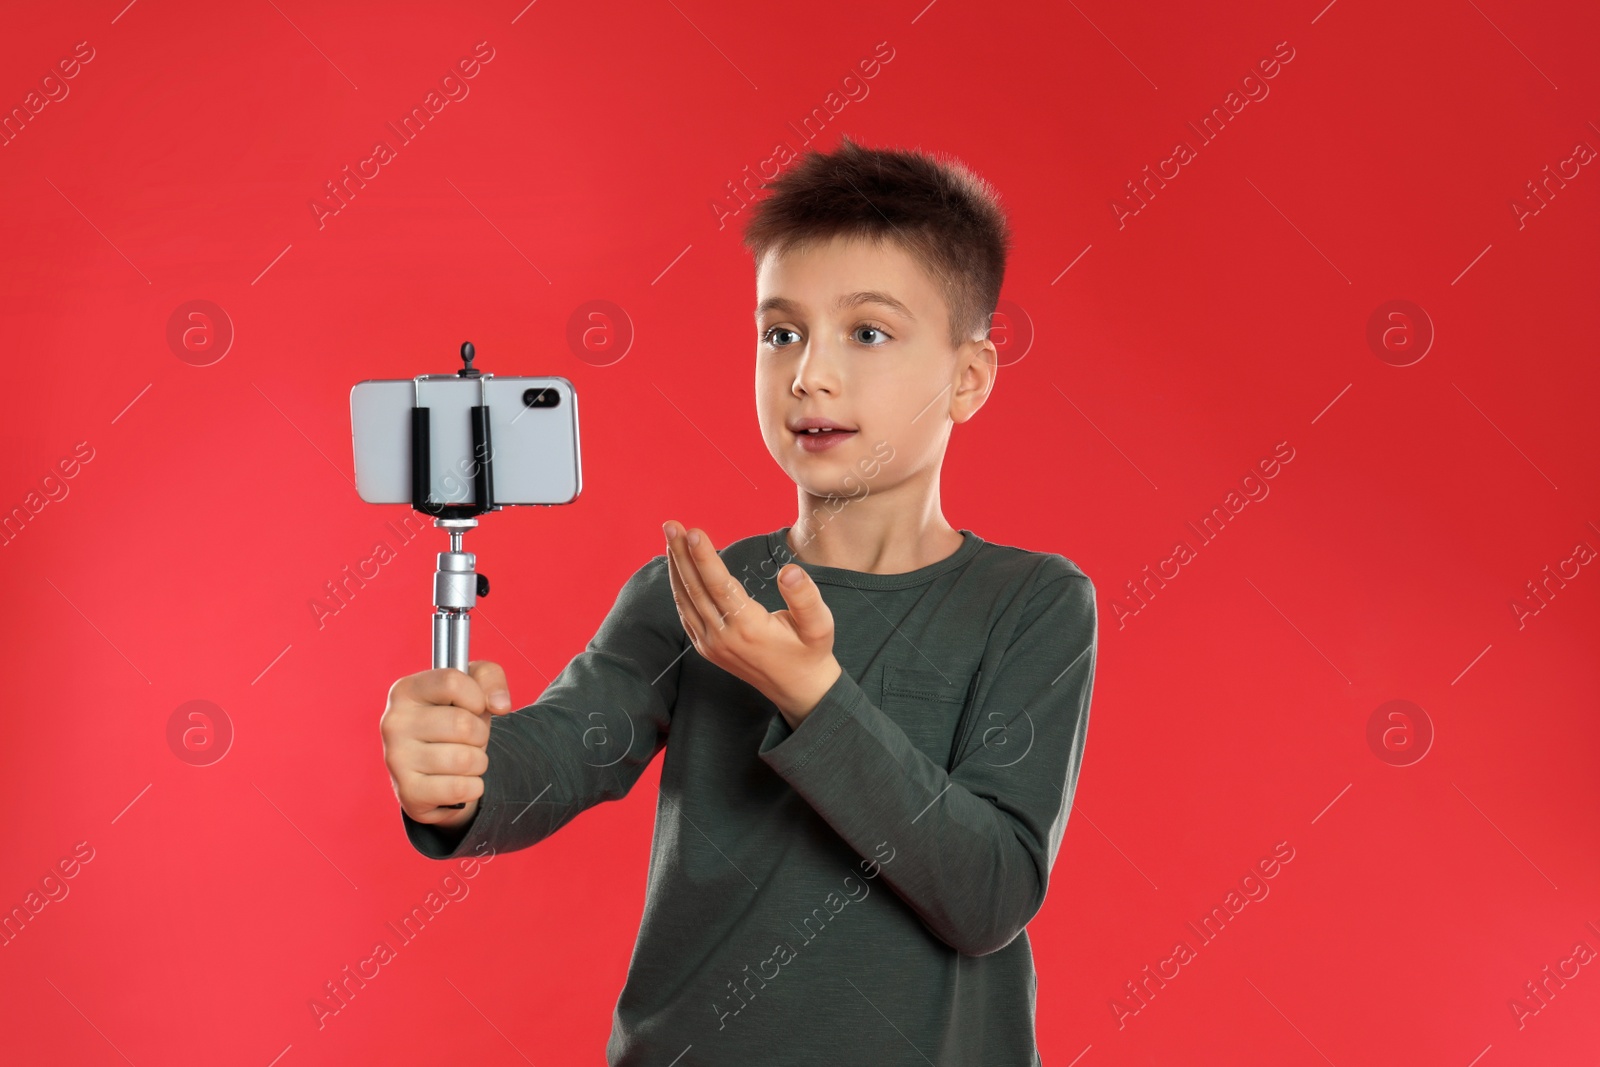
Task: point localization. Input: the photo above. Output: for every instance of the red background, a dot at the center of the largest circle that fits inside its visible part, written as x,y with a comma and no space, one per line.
1226,316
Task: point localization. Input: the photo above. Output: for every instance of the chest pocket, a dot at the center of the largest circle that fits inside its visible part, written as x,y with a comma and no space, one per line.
930,706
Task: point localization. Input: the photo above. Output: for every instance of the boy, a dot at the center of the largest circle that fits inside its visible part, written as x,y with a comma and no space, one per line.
838,872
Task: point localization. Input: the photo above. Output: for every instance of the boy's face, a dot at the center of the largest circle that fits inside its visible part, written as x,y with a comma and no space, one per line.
887,373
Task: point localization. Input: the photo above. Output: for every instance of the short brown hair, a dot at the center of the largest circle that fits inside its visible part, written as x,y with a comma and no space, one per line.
945,217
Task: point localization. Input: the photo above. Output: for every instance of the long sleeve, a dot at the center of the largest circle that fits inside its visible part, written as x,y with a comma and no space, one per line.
590,734
972,849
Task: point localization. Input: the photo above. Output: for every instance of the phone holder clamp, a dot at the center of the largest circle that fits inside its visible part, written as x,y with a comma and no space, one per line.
456,583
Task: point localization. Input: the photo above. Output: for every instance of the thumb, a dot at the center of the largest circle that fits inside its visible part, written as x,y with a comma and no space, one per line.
812,619
491,679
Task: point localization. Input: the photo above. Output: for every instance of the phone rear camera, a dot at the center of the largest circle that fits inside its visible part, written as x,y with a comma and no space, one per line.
540,398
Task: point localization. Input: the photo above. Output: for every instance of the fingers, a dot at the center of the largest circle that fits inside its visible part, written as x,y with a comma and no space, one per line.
435,779
436,734
430,795
450,760
687,589
726,594
714,592
813,620
491,678
451,725
445,685
688,614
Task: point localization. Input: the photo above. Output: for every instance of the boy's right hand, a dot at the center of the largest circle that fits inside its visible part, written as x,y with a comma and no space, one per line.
436,739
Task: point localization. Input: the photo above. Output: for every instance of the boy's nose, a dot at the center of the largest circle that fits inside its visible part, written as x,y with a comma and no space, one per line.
815,372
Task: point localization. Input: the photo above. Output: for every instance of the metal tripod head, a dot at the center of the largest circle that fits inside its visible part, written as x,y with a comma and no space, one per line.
456,588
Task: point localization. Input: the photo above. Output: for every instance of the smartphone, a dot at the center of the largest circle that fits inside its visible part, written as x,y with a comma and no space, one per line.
533,438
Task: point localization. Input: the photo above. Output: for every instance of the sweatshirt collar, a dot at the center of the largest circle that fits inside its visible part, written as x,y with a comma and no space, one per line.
778,549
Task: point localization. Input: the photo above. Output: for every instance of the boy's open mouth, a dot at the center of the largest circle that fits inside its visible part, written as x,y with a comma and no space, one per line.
820,440
817,434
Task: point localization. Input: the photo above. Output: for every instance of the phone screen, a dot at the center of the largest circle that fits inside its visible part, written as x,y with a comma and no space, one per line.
533,438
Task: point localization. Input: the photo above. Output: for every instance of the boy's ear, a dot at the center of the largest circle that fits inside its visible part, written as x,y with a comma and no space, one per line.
978,363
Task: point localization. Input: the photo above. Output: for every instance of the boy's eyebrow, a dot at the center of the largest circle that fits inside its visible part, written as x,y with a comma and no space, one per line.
848,300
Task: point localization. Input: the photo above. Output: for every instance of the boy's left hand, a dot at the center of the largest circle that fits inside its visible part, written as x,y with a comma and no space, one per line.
787,655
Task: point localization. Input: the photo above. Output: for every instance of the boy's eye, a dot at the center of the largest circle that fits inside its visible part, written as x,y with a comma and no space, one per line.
770,336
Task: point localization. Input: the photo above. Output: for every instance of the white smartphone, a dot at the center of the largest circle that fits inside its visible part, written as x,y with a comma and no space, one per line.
533,450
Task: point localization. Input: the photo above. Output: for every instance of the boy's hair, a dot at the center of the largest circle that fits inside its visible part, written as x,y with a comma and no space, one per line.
945,217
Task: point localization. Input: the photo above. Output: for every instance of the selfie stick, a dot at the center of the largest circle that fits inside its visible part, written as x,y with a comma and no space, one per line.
456,583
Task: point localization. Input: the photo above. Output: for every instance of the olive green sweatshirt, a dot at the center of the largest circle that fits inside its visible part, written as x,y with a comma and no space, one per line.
852,890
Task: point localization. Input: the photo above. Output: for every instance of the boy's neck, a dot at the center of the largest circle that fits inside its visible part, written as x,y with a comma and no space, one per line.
869,542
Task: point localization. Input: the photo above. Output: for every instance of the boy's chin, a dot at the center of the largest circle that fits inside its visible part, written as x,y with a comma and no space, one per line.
822,474
824,488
